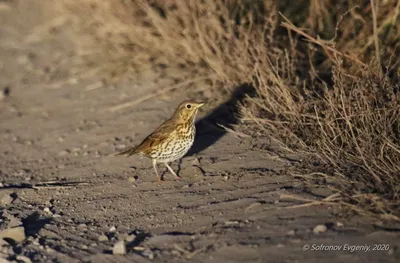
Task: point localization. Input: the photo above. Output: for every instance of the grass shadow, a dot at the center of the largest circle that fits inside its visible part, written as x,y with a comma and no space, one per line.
207,130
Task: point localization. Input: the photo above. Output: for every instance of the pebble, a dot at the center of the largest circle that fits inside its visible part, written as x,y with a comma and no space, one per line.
130,238
24,259
6,199
47,210
290,233
320,229
102,238
112,229
148,253
81,226
15,233
195,162
339,224
119,248
131,179
13,221
63,153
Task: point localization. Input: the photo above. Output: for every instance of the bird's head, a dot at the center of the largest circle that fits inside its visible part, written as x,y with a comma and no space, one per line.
187,110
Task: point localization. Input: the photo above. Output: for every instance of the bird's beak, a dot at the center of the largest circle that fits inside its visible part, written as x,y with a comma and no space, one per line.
200,104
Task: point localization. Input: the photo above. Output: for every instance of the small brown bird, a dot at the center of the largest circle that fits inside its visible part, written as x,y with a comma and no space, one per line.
172,140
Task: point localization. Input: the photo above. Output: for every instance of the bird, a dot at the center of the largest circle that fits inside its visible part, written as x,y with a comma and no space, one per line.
171,140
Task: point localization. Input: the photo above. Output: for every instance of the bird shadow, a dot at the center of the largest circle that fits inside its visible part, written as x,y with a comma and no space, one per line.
208,130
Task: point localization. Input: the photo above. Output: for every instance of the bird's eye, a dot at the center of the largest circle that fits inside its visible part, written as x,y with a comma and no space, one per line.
188,106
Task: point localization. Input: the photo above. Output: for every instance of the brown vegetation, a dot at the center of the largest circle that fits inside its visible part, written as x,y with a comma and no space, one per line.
326,75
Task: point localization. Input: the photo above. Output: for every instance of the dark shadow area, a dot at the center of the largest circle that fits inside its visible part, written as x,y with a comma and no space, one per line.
141,236
33,223
40,185
207,130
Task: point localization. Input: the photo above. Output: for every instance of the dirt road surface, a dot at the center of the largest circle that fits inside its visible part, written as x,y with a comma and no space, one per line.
76,202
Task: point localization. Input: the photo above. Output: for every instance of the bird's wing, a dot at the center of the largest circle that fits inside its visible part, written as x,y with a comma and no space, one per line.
159,135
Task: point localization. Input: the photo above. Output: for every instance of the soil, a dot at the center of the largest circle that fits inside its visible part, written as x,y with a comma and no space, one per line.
76,201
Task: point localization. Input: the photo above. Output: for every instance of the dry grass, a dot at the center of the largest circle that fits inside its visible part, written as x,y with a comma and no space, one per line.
325,74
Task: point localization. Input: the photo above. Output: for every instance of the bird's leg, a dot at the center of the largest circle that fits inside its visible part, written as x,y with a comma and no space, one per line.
155,169
172,171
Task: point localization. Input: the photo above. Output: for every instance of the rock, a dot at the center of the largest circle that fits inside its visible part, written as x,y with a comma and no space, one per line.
339,224
4,93
290,233
102,238
320,229
13,221
3,260
82,226
63,153
112,229
24,259
47,210
6,199
119,248
195,162
15,233
131,179
130,238
148,253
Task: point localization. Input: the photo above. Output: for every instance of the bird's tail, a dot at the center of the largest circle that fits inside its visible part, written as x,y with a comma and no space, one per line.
127,152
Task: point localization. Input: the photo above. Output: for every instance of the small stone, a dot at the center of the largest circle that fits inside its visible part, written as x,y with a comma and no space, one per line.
24,259
47,210
82,226
131,179
226,177
6,199
84,247
290,233
320,229
119,248
112,229
15,233
3,260
102,238
63,153
13,221
130,238
195,162
148,253
339,224
23,60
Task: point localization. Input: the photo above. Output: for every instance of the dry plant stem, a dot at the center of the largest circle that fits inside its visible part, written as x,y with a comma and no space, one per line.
376,38
360,152
330,200
292,27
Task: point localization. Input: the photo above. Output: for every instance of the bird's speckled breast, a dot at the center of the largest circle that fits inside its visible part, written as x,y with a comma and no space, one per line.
177,146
